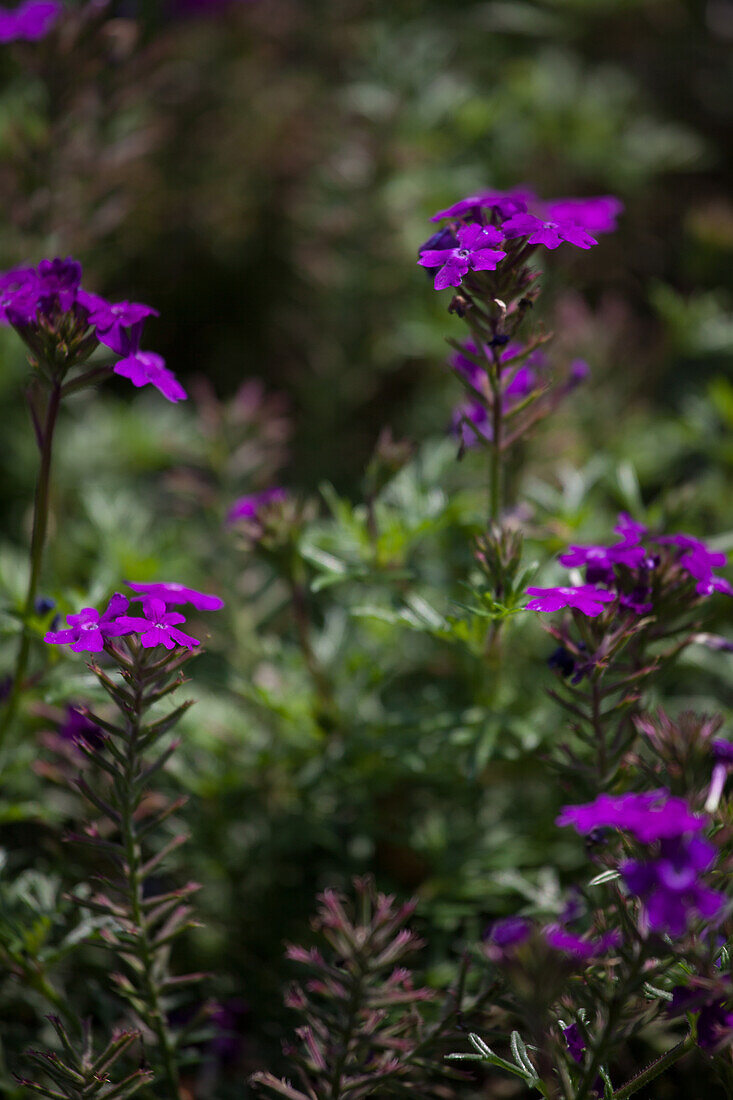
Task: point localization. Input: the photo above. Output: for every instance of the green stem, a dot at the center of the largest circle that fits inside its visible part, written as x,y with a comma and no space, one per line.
655,1069
495,502
145,952
38,541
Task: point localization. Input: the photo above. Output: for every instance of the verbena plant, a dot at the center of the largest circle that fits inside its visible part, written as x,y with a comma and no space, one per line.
561,995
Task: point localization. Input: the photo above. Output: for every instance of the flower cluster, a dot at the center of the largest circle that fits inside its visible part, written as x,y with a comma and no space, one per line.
506,936
493,226
51,311
88,631
667,880
29,21
639,571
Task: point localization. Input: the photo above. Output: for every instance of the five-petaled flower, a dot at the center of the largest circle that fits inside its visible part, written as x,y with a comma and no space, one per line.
551,234
88,630
147,367
649,815
585,598
475,251
158,626
173,593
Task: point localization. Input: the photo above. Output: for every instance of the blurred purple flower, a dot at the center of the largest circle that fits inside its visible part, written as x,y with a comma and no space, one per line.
714,1022
548,233
668,886
585,598
79,729
88,630
470,423
596,215
475,252
575,1042
250,506
631,530
580,947
158,627
173,593
507,203
30,21
147,367
649,816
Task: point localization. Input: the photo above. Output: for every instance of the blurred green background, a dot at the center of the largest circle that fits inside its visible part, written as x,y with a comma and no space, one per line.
262,172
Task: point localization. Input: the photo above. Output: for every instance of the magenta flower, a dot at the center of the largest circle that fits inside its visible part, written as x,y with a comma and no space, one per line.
585,598
475,252
88,631
548,233
29,22
668,887
649,816
714,1026
575,1042
249,507
470,423
630,530
119,325
595,215
172,593
507,203
158,627
599,561
18,296
57,283
145,367
580,947
80,730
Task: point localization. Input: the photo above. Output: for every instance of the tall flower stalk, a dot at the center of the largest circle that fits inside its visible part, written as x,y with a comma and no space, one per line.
62,325
144,919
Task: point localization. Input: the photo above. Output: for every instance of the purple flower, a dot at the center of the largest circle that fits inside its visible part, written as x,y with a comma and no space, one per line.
470,422
580,947
79,729
145,367
120,324
18,296
575,1042
57,283
158,627
173,593
249,507
506,934
669,888
596,215
649,816
88,631
507,203
699,561
723,750
549,233
631,530
585,598
475,252
600,560
53,285
29,22
714,1023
